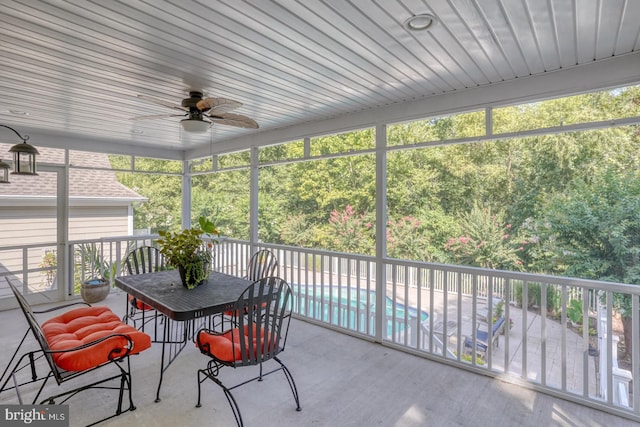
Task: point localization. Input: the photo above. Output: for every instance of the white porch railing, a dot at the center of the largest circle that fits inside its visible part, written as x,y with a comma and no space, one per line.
432,310
540,347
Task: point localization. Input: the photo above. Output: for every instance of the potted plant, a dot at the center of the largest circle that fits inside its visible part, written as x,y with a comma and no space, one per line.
186,251
93,273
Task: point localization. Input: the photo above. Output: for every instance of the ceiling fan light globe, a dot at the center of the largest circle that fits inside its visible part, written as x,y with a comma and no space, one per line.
195,125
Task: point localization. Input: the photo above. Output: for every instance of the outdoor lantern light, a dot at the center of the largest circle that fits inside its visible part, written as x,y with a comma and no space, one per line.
24,156
4,172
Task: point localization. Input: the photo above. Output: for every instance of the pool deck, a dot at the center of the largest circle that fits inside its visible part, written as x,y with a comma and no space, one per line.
541,351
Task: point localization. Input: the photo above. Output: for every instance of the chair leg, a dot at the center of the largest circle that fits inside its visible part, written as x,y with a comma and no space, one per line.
15,354
129,381
292,383
209,373
18,366
234,406
200,371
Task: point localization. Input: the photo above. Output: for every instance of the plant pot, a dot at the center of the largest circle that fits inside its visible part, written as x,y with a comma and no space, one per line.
193,275
94,290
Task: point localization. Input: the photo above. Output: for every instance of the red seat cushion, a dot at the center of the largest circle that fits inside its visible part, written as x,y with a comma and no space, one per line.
83,325
226,346
139,304
231,313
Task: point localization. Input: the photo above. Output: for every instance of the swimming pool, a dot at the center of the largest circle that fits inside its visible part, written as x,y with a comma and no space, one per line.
352,308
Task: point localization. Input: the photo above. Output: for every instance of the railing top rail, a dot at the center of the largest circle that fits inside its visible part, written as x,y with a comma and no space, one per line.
524,277
311,251
114,239
475,271
31,246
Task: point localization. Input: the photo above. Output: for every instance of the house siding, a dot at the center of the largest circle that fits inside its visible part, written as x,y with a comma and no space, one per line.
37,225
103,221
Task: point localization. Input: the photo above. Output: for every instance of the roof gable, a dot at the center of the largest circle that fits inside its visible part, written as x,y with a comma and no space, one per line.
83,183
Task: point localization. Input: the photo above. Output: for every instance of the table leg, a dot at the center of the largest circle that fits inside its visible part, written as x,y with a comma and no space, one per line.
165,341
176,335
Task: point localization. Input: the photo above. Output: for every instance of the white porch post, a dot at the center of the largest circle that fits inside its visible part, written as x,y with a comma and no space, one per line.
65,258
253,200
381,227
186,195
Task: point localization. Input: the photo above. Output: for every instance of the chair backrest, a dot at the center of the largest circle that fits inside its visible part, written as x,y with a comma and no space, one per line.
145,259
262,264
36,329
263,311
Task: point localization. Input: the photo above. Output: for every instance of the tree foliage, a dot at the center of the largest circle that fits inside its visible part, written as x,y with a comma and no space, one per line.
557,195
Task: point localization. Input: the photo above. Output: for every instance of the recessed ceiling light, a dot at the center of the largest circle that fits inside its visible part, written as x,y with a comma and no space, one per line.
19,112
420,22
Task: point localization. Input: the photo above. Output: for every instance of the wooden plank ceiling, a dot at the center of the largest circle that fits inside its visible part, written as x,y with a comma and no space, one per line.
73,69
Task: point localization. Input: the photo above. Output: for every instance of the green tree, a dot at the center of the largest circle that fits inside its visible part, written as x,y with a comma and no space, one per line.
351,232
163,208
595,229
223,197
422,237
485,241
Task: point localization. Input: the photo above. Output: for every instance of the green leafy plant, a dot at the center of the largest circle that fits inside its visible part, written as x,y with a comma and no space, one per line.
574,311
89,263
469,358
592,331
498,310
188,251
50,262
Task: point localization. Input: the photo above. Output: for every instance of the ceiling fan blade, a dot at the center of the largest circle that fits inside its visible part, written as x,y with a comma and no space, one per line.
156,116
162,102
236,120
219,105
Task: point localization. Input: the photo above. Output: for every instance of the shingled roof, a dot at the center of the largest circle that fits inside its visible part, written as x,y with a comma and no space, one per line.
83,183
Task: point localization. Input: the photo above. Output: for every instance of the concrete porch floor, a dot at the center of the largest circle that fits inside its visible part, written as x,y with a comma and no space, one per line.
342,381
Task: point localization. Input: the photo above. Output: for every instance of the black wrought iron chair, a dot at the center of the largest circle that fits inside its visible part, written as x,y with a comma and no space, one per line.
263,263
256,334
77,342
145,259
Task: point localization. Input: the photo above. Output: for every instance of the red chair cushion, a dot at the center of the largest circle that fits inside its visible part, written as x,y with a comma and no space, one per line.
139,304
83,325
226,346
231,313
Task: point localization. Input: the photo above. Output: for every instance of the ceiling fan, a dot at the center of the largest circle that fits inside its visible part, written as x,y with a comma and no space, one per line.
201,112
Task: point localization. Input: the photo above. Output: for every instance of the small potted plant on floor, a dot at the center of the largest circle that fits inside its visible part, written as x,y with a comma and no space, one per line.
93,272
187,251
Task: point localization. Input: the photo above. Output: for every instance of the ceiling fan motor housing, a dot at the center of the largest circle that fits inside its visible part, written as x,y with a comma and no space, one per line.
192,101
202,112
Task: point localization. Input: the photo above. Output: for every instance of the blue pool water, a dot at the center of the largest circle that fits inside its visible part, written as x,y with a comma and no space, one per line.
352,308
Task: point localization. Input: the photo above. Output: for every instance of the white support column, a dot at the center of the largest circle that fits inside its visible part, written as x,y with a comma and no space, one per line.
253,199
186,195
381,227
65,259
